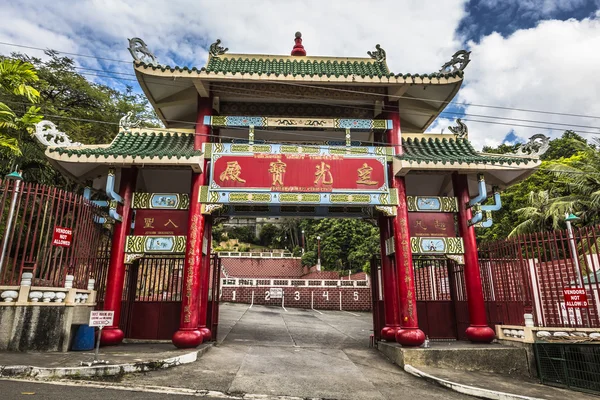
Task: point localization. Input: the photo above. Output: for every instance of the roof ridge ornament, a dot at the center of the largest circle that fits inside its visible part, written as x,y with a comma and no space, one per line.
129,121
378,55
461,131
298,49
215,50
48,135
537,145
139,51
459,62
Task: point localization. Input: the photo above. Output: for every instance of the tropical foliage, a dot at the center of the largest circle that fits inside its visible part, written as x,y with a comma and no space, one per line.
567,181
16,78
89,112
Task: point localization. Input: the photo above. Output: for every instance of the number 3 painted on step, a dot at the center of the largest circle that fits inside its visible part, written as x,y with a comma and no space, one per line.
297,295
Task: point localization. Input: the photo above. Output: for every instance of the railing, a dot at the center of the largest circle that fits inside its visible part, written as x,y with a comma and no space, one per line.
539,269
252,254
29,214
241,282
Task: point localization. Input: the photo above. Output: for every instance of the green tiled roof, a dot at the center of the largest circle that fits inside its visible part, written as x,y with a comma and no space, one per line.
452,151
150,144
299,66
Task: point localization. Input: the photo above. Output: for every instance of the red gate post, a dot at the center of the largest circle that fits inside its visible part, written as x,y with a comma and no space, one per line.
113,335
390,286
188,334
409,334
205,282
478,330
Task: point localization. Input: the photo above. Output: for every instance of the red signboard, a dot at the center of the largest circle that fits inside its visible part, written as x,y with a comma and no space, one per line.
62,236
299,173
575,298
161,222
429,224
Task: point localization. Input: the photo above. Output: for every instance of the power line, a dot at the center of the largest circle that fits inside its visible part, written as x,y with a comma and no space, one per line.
348,90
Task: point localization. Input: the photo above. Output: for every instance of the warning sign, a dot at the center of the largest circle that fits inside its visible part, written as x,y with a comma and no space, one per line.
101,318
575,298
62,237
276,293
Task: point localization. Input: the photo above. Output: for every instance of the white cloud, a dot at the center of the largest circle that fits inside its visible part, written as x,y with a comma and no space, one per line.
418,37
552,67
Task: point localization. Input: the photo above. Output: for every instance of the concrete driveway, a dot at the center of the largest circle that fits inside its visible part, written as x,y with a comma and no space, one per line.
293,352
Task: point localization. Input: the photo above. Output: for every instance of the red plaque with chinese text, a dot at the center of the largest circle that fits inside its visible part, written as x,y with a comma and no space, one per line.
161,222
428,224
299,173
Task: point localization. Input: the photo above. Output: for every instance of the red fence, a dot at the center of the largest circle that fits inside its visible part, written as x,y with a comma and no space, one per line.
535,270
29,214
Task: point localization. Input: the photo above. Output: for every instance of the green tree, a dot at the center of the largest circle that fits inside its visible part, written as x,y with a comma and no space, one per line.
88,112
309,258
16,78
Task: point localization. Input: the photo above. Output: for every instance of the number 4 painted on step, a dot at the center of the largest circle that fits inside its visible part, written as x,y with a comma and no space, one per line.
326,295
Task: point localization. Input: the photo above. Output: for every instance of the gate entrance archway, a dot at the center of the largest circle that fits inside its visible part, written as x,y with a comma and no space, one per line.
267,135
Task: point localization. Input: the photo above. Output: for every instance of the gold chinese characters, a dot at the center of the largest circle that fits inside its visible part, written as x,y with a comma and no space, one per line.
232,172
364,175
323,174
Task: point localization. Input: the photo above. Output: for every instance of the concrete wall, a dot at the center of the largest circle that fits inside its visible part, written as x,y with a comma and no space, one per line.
42,325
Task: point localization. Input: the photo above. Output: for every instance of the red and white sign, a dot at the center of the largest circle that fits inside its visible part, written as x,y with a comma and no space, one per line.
575,298
62,236
101,318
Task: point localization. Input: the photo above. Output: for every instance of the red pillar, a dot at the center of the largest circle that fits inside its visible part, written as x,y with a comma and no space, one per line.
205,282
390,286
409,334
478,330
112,335
188,334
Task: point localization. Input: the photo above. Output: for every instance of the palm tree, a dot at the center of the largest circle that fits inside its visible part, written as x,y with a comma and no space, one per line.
539,216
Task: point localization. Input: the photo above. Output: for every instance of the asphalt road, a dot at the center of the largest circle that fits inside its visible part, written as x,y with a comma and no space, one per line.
10,390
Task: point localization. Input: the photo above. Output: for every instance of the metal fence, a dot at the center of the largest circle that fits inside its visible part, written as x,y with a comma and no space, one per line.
573,366
29,214
537,269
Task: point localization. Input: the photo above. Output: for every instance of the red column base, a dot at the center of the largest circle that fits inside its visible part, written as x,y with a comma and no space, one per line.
388,333
480,333
186,339
410,337
111,336
206,333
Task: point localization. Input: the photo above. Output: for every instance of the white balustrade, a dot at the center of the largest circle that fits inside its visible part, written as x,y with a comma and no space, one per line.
47,297
26,279
8,296
35,296
69,281
60,297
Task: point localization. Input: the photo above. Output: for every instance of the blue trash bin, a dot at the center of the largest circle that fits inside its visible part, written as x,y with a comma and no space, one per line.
84,338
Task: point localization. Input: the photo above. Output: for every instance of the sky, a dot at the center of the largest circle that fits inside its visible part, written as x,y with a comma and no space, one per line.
527,55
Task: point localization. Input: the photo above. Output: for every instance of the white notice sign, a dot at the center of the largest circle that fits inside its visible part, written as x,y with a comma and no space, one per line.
276,293
101,318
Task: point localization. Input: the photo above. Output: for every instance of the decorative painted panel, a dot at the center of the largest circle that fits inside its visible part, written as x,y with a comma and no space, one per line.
218,196
215,150
294,122
252,210
155,244
432,204
437,245
164,201
428,224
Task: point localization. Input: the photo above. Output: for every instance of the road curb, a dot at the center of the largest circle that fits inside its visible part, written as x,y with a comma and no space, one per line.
101,370
466,389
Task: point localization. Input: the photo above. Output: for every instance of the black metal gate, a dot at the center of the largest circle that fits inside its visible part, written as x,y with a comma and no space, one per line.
573,366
